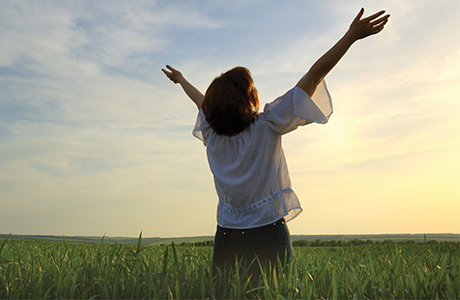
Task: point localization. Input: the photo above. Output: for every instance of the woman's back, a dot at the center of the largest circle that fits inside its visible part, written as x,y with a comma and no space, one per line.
250,171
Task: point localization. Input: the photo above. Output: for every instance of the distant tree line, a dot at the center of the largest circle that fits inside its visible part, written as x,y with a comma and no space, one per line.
331,243
356,242
196,244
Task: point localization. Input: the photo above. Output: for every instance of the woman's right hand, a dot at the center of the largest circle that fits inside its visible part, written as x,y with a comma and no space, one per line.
173,74
362,28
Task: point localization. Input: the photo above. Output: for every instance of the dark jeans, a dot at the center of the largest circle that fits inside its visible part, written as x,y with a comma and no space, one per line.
270,244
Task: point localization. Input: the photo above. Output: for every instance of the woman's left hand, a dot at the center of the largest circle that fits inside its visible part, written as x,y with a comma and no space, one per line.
173,74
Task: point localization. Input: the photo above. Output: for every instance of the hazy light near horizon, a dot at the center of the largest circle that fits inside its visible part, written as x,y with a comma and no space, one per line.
94,140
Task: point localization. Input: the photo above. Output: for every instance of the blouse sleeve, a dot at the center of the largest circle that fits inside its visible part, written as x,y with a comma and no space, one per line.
201,130
296,108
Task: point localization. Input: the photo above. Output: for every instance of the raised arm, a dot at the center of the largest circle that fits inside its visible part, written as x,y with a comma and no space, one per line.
191,91
359,29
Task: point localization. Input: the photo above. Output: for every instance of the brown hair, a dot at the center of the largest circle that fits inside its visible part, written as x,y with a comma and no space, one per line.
231,102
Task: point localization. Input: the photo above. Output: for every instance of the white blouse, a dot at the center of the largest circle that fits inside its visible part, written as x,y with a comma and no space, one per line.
250,171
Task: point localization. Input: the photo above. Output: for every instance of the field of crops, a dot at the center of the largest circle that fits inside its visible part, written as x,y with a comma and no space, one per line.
41,270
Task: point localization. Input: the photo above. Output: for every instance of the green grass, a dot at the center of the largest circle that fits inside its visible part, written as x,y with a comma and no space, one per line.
41,269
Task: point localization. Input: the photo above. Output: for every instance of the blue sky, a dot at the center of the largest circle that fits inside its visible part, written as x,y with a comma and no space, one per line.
95,140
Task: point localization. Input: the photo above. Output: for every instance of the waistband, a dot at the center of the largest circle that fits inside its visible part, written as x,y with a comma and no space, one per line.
248,230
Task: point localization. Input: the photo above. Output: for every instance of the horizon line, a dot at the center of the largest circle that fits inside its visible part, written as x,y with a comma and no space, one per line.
198,236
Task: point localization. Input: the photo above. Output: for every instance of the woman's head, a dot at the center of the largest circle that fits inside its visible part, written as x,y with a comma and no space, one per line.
231,102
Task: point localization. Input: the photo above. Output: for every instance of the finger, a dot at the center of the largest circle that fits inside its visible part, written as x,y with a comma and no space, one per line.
378,28
383,23
171,68
371,17
358,16
381,20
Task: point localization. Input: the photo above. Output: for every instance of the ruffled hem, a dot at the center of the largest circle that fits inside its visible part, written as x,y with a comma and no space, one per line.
197,130
283,203
316,109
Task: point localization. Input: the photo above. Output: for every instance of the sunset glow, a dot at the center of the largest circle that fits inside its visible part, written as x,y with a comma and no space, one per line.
95,140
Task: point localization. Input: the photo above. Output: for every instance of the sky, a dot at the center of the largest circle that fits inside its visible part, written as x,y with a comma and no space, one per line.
95,140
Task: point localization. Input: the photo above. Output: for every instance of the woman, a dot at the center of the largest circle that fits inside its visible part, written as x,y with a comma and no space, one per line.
245,154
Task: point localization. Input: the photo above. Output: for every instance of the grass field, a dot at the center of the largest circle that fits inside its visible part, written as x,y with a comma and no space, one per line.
41,269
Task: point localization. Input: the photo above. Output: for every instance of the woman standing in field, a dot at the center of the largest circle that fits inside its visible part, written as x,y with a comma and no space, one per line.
245,154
